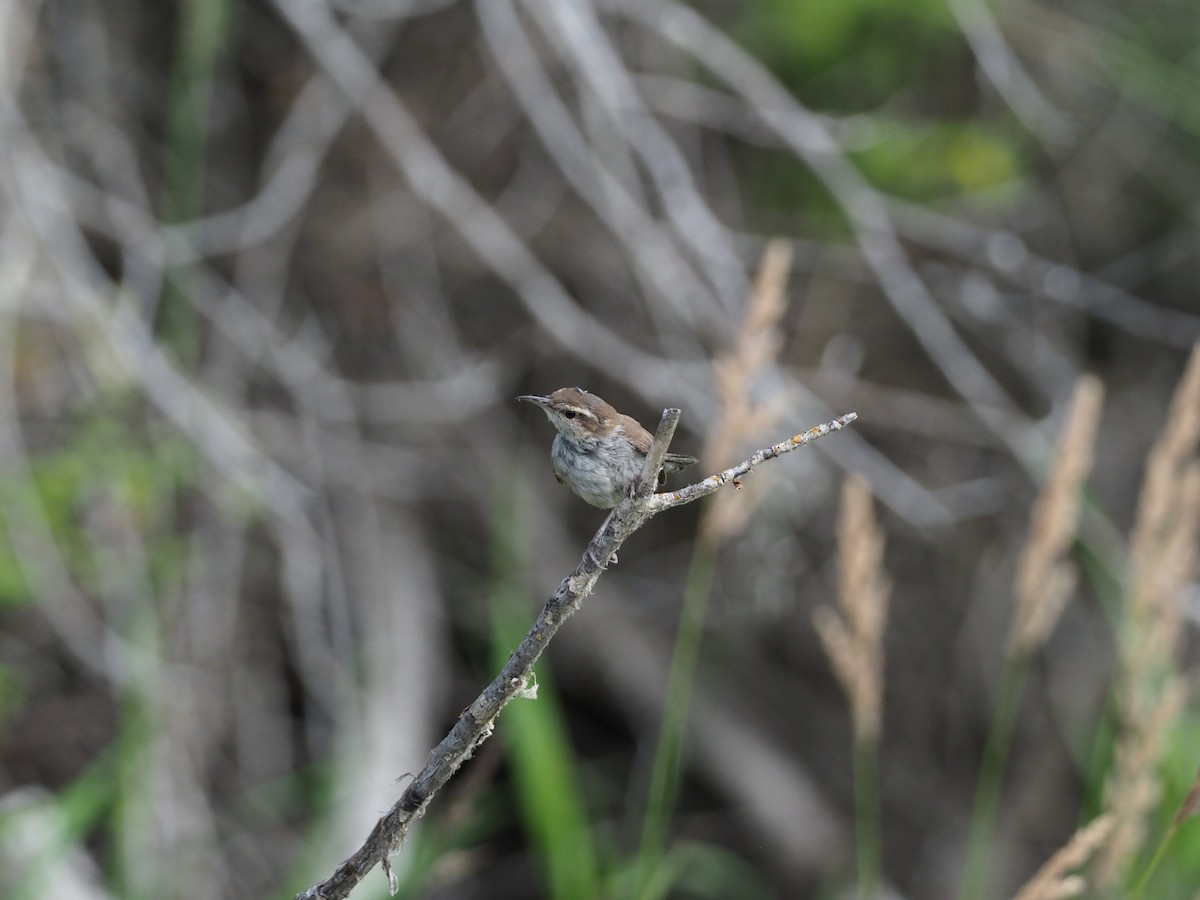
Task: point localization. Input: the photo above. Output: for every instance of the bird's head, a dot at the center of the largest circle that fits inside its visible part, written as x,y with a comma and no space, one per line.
576,414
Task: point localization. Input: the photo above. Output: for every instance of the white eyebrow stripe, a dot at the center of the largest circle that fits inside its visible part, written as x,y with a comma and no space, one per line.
579,410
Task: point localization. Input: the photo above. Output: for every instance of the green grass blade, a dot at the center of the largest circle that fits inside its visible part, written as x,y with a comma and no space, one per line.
534,732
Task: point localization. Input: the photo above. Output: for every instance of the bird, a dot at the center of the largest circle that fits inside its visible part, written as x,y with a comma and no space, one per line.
598,451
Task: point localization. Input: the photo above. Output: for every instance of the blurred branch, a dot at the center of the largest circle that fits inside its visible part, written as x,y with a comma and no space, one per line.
214,429
807,135
586,47
660,266
1008,76
480,224
478,720
1002,251
1008,255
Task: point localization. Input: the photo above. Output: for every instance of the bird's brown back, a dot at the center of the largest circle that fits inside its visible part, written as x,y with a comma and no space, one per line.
638,436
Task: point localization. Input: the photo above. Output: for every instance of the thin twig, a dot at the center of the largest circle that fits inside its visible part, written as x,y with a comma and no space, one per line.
477,722
703,488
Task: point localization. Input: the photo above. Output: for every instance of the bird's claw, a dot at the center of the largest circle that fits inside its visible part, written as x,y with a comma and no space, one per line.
612,560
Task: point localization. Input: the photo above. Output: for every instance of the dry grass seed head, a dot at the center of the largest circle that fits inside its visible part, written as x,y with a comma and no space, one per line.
755,349
1053,878
1171,454
1150,693
854,640
1044,581
1134,786
862,585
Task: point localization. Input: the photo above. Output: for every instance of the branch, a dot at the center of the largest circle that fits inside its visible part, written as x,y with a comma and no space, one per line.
692,492
648,479
478,721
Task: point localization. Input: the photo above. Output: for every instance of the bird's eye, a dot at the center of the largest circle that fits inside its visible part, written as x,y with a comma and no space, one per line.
570,414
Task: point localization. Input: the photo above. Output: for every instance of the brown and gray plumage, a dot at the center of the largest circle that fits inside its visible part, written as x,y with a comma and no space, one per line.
598,451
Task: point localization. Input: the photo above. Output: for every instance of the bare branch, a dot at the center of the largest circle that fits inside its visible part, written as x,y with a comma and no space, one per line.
477,722
658,450
713,482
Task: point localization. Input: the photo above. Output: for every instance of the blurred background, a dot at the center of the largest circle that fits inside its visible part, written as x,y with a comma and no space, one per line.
271,275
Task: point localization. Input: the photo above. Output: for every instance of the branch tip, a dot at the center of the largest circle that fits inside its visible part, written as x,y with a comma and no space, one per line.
648,479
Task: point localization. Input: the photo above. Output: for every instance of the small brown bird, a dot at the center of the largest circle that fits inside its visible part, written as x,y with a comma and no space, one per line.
598,451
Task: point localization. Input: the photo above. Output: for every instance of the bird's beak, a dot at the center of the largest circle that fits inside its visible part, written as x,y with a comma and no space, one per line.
534,398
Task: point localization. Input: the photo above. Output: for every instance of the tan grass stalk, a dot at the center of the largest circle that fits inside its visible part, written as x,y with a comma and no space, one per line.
741,419
1044,579
854,639
1044,582
1054,879
755,349
1149,689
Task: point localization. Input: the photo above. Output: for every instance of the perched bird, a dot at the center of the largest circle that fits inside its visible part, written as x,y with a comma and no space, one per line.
598,451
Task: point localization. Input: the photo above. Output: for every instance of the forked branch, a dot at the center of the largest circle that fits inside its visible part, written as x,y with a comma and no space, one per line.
476,723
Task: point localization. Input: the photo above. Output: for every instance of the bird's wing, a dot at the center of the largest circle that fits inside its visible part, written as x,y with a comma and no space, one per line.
638,436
